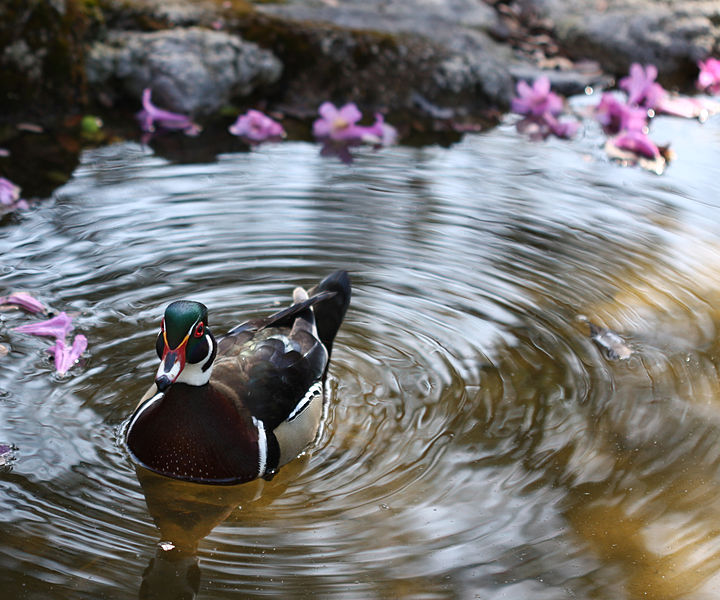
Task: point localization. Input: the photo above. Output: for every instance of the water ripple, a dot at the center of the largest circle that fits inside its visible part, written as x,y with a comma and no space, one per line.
477,442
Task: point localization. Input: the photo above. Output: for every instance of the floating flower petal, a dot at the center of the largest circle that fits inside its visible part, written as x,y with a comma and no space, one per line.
536,100
338,124
641,87
379,133
9,192
616,116
23,300
66,357
257,127
637,142
688,108
57,327
709,77
561,129
540,127
151,115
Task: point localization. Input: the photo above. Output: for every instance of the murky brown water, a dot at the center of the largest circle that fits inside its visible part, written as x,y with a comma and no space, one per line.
478,444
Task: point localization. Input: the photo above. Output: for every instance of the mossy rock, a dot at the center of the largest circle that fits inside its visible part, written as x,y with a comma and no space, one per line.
43,49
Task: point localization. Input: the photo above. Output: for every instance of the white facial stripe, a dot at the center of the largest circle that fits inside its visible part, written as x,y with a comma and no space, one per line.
315,389
262,446
147,404
193,374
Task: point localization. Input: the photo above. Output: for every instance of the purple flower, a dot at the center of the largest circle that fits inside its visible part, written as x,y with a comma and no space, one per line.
640,85
561,129
688,108
379,133
616,116
539,128
151,115
23,300
66,357
709,78
338,124
537,100
339,131
57,327
10,195
637,142
257,127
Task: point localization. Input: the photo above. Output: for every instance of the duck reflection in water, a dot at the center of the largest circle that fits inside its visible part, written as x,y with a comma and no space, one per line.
227,411
185,513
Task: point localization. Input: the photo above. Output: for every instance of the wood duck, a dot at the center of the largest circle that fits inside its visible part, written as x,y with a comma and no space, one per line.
230,410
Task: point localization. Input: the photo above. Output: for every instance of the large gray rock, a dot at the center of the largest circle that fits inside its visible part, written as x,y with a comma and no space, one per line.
441,51
190,70
673,34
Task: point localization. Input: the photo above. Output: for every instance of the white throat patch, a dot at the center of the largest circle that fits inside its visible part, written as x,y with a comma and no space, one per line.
193,374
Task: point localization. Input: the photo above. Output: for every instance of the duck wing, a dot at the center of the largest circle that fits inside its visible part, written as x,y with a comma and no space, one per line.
272,367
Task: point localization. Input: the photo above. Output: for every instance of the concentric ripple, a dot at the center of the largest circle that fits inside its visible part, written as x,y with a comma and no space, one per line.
477,443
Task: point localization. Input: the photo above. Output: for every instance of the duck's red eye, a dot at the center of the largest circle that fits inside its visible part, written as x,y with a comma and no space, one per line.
199,329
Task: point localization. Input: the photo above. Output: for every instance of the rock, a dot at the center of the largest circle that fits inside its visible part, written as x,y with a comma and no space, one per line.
190,70
672,35
387,53
42,48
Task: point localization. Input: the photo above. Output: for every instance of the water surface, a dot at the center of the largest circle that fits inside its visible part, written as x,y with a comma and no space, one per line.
478,444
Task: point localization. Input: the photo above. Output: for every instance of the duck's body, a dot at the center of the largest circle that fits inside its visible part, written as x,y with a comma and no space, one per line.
233,410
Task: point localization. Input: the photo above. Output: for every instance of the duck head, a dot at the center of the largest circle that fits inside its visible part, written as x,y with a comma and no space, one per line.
185,345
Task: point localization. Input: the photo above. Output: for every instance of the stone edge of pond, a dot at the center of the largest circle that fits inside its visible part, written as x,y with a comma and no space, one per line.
428,68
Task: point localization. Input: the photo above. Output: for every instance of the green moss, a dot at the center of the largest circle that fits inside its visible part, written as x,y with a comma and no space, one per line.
42,67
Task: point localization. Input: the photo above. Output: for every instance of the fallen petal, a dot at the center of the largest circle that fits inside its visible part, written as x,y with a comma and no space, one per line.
23,300
57,327
655,165
9,192
151,114
637,142
257,127
66,357
709,76
687,108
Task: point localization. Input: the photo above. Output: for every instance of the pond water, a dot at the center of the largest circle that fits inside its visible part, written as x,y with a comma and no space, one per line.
478,443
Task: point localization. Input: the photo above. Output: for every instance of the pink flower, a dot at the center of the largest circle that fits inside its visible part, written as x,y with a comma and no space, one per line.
709,78
537,100
151,115
10,195
57,327
66,357
561,129
9,192
616,116
637,142
539,128
641,87
338,124
379,133
23,300
256,127
688,108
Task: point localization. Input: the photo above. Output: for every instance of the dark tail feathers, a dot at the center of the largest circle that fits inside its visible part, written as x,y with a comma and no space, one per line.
329,313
